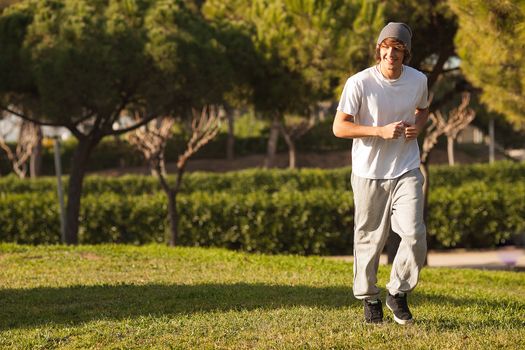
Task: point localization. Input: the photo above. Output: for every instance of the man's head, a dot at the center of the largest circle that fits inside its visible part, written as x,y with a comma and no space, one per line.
397,36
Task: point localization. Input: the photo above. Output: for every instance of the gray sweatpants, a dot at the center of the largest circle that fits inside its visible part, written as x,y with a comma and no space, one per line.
381,204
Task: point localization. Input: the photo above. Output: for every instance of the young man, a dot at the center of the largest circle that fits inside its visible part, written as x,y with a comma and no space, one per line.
384,108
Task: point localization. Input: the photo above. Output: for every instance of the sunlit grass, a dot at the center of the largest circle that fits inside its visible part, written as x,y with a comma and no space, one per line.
116,296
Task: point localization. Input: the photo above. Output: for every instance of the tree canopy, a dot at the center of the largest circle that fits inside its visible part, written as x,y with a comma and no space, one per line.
491,44
83,64
303,48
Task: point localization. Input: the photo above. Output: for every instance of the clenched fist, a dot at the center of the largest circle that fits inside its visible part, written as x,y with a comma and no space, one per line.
392,130
411,131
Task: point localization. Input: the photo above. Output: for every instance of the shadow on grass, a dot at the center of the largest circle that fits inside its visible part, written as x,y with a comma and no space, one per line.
20,308
28,308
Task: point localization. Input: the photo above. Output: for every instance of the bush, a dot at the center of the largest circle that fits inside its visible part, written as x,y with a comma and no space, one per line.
318,221
476,215
273,180
289,222
244,181
29,218
452,176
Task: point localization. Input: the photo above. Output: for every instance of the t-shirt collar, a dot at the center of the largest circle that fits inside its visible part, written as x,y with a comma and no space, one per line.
390,81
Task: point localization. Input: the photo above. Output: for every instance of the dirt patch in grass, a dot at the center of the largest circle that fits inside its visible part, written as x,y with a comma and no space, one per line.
90,256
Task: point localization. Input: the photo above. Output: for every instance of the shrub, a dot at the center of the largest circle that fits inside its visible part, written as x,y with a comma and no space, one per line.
291,222
29,218
265,180
476,215
317,221
499,172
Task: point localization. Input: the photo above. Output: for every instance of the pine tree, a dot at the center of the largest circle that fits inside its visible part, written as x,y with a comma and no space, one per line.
304,49
491,44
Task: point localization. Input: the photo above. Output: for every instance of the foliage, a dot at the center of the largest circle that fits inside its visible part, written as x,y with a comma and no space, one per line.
269,181
476,215
246,125
310,221
300,46
75,57
279,222
490,43
85,64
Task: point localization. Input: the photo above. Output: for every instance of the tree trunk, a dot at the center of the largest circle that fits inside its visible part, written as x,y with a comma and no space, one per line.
74,190
272,142
162,165
437,70
35,163
291,155
450,150
492,141
173,217
230,142
291,147
171,193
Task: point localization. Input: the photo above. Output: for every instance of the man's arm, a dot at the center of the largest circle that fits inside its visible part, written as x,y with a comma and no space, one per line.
412,131
345,127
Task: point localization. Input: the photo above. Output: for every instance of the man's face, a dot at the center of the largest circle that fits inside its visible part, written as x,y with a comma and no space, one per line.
391,56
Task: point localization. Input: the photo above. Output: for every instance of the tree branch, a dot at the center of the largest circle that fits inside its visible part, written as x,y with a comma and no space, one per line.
437,70
22,116
41,123
143,122
204,128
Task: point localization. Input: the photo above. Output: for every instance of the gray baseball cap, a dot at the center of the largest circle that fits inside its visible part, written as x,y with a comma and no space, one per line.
399,31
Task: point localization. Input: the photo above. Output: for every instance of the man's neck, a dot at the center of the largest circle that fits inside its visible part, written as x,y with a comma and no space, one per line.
391,74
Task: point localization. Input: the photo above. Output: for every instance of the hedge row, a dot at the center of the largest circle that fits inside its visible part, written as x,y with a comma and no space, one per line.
475,215
314,222
244,181
274,180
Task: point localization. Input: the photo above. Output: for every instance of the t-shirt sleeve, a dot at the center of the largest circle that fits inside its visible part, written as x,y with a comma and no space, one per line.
350,101
423,100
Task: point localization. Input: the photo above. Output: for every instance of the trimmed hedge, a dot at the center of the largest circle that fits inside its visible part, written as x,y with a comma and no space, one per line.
499,172
244,181
477,215
274,180
319,221
313,222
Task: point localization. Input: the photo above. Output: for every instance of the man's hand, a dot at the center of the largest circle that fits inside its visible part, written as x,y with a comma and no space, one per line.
411,131
392,131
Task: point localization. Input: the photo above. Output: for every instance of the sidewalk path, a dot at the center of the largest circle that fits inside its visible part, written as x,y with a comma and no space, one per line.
510,258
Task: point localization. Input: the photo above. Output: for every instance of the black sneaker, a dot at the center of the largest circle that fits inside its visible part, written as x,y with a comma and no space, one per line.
373,311
398,305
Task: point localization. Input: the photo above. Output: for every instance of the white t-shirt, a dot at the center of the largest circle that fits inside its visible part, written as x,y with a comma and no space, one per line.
374,100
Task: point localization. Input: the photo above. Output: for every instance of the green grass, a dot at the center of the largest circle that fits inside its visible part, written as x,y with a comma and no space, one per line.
111,296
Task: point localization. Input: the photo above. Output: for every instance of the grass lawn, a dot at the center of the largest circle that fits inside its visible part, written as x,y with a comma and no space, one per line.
116,296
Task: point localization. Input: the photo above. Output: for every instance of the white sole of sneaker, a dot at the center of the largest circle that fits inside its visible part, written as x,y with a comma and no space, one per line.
398,320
